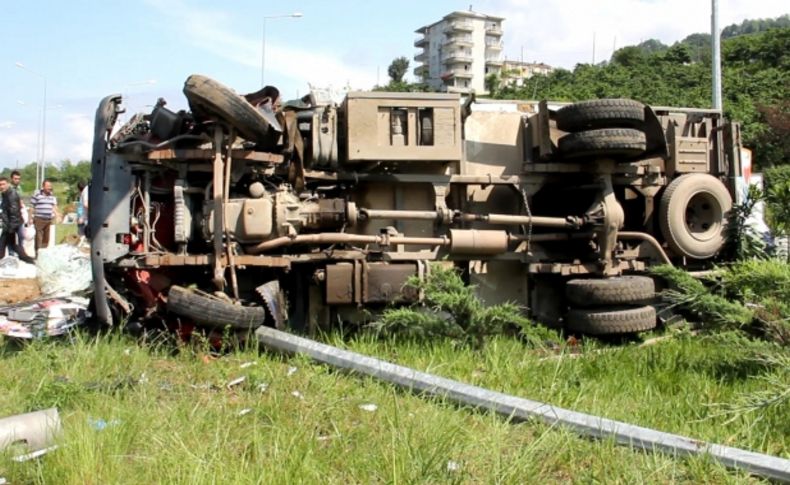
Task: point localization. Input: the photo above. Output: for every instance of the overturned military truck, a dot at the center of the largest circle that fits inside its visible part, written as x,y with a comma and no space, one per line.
245,211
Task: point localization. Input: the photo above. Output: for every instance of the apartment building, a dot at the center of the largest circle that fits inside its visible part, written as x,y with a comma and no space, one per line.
459,51
514,73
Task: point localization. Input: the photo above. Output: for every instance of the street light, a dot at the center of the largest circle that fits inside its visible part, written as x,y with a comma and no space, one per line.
42,161
39,156
263,41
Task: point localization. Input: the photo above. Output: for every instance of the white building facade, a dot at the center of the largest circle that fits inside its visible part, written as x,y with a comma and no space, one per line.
459,51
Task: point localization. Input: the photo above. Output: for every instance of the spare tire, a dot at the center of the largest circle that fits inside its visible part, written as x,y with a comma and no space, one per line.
601,113
609,142
209,311
611,321
622,290
693,215
208,97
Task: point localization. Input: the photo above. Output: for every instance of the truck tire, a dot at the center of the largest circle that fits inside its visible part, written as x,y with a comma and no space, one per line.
622,290
601,113
209,97
611,321
607,142
209,311
693,215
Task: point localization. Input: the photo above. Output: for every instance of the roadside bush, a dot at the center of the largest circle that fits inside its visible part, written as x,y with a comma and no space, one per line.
450,309
777,201
751,296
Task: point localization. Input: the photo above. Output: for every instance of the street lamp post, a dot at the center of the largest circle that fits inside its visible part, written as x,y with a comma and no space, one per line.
263,41
42,160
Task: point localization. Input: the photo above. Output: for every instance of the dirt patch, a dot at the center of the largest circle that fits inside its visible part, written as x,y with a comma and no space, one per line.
18,291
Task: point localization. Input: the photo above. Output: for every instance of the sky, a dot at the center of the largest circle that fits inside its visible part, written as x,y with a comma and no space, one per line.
145,49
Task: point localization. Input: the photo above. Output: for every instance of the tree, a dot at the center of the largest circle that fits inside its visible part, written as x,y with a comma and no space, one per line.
398,69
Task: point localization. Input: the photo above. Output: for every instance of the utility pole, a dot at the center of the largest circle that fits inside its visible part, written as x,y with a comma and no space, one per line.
715,36
593,57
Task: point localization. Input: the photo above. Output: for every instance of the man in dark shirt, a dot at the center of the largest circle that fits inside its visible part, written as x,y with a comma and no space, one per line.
11,220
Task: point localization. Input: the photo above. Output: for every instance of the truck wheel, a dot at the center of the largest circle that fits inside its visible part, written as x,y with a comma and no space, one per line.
622,290
209,311
693,215
601,113
611,321
605,142
206,95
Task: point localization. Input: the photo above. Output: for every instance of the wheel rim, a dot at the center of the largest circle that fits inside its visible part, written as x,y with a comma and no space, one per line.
703,216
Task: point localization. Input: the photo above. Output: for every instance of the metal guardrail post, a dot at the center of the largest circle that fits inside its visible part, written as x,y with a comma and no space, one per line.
522,409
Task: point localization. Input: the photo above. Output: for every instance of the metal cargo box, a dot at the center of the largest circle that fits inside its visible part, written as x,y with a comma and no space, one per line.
421,127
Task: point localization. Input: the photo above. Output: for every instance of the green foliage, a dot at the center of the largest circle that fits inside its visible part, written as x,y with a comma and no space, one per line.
66,172
451,309
777,201
397,69
743,241
692,297
755,83
749,296
752,26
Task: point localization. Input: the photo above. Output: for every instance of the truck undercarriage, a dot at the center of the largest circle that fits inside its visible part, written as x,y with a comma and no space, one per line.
245,212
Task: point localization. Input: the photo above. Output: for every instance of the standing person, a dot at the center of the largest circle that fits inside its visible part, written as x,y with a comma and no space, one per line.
12,219
82,208
16,180
45,210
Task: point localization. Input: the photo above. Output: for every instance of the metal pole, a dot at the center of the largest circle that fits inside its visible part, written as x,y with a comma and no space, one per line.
520,409
715,36
43,135
263,54
263,41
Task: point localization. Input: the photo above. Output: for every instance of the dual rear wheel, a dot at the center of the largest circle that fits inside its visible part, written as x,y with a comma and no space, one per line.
610,306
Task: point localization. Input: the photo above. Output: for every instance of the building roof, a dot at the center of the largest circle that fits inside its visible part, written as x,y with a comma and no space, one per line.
460,13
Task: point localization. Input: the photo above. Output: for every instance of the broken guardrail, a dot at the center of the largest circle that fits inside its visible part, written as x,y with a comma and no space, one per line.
523,409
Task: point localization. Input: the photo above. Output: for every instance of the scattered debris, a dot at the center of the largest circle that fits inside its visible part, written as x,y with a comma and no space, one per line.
245,411
34,454
37,430
263,387
292,371
43,318
100,424
370,407
13,269
236,382
298,395
247,364
63,270
453,466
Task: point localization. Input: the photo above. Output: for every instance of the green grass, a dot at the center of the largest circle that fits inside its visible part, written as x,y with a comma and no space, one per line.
179,423
64,230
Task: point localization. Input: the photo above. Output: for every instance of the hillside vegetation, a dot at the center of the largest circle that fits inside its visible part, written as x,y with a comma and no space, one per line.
756,83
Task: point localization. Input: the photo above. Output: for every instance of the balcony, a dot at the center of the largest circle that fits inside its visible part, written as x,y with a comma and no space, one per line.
494,45
457,58
494,30
460,26
421,57
421,71
465,41
494,61
456,74
421,41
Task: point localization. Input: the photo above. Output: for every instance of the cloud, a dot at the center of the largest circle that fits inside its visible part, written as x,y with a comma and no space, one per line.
561,32
18,144
7,124
212,31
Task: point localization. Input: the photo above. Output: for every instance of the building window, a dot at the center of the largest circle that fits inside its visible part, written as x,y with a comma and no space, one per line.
466,84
